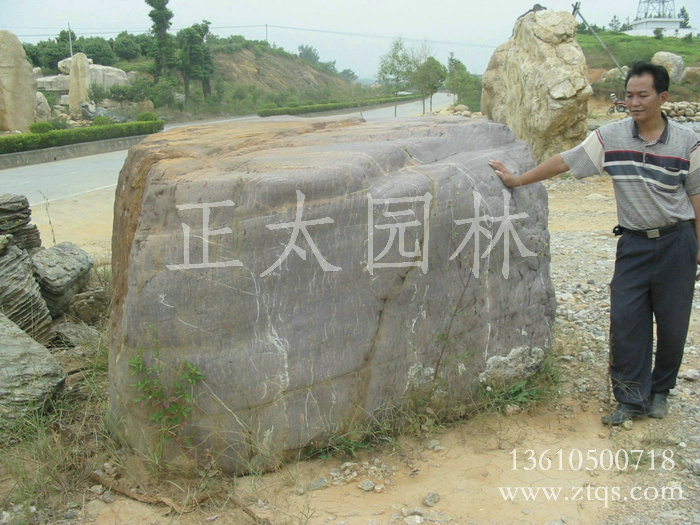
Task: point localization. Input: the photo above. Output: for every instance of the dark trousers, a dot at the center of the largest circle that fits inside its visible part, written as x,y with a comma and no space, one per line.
654,279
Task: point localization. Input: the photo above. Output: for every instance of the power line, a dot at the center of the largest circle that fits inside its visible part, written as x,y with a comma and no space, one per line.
88,31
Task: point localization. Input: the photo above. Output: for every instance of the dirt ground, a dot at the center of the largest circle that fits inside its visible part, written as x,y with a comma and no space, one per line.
468,468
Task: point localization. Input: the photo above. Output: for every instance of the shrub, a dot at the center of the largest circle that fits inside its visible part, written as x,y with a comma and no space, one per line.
40,127
64,137
97,92
102,121
146,116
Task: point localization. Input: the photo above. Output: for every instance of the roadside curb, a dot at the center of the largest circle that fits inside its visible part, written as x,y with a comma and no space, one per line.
24,158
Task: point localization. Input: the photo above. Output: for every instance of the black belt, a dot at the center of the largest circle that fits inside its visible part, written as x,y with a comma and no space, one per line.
656,232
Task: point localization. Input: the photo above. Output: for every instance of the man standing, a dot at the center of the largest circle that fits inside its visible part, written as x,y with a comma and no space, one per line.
655,167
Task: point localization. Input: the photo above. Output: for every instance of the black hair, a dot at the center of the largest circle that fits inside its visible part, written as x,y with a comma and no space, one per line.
658,73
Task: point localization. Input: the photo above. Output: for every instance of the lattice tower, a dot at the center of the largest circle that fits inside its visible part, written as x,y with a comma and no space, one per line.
656,9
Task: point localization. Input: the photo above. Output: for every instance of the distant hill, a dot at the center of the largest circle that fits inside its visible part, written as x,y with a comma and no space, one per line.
272,71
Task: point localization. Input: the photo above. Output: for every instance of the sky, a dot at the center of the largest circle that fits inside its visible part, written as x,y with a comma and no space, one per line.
354,33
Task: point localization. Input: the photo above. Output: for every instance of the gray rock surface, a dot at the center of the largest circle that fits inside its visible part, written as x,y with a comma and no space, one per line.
292,350
17,85
62,271
30,375
537,83
43,110
20,297
54,83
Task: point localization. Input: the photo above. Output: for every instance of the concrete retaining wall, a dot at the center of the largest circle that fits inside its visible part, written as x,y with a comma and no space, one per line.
12,160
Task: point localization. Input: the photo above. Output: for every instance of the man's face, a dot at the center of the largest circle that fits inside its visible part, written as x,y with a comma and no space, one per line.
642,99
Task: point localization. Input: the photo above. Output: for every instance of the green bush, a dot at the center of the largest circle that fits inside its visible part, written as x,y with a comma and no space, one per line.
146,116
267,111
50,139
102,121
40,127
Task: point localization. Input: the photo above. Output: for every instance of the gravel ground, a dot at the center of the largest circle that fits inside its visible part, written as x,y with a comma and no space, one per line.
582,266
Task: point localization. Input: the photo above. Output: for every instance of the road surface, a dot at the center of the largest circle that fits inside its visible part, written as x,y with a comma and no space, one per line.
53,181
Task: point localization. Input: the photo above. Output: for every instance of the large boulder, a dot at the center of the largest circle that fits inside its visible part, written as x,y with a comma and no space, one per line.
319,273
17,85
537,84
79,81
30,376
54,83
691,75
672,62
107,77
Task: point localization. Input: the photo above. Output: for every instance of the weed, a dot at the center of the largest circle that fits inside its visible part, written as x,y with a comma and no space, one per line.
171,405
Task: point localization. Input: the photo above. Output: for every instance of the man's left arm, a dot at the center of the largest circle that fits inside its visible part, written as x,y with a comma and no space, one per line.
695,201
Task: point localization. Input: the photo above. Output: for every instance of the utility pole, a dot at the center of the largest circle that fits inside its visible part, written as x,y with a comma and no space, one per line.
70,41
577,11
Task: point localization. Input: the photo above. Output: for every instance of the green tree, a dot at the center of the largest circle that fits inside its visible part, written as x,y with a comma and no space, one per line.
164,49
460,82
126,46
394,68
194,57
309,54
348,75
658,33
96,48
427,78
683,14
614,24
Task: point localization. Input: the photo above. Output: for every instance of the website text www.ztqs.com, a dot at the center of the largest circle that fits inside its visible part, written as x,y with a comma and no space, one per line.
589,493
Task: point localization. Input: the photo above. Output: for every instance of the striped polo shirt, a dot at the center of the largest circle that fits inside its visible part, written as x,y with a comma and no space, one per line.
652,180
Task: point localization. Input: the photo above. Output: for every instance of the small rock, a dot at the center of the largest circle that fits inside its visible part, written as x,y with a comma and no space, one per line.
696,467
434,444
94,508
366,485
627,425
431,499
690,375
318,484
413,520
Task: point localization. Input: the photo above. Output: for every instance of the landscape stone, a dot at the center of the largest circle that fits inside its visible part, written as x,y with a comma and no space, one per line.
43,110
17,85
691,75
62,271
90,306
74,334
30,375
54,83
297,346
537,83
107,76
79,83
20,296
672,62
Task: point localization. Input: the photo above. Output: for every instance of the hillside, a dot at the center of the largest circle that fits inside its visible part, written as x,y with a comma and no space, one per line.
628,49
271,72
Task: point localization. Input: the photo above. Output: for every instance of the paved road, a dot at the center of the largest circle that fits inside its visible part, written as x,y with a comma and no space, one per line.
52,181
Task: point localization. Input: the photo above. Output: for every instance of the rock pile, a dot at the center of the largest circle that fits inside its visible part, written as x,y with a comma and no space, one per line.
36,286
682,111
15,216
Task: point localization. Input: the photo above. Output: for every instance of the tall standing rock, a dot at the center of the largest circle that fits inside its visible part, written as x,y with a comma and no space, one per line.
536,83
17,85
79,83
320,273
